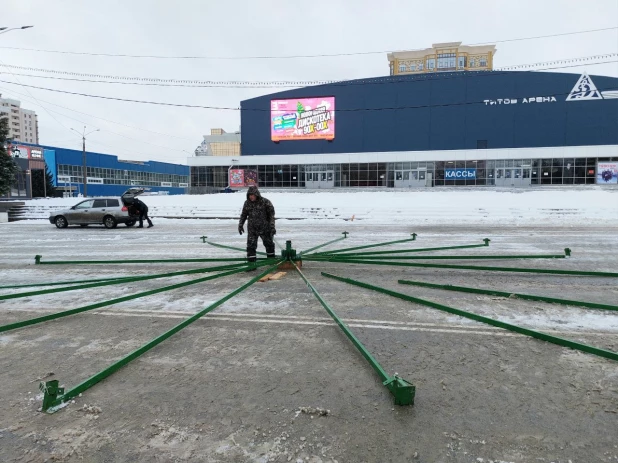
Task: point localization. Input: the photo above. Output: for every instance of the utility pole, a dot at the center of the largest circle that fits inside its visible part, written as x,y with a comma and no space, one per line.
84,164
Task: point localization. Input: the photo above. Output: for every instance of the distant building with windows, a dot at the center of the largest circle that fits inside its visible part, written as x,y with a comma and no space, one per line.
106,175
219,143
443,57
23,123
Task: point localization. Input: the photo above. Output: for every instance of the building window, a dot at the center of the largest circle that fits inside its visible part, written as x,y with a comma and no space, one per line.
483,62
420,66
446,61
402,68
431,63
461,62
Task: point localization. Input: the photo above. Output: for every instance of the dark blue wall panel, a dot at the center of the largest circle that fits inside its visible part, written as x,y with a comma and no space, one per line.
445,111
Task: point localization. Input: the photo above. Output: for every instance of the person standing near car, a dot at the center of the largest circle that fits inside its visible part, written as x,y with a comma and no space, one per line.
143,213
261,215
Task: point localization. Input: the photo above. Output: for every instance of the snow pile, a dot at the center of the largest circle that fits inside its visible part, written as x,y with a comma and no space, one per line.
589,205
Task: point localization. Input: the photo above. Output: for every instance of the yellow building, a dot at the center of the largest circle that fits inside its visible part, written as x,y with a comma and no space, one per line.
443,57
219,143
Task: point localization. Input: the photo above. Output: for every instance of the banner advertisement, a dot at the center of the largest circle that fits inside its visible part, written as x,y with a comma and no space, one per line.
18,151
459,174
237,178
302,119
607,173
240,178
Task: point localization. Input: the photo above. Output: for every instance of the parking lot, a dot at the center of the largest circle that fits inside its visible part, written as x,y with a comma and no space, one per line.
232,387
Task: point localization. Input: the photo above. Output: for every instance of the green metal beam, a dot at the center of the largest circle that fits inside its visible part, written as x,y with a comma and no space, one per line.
223,246
60,283
98,305
135,261
54,396
387,243
479,318
402,390
405,251
476,267
118,282
306,251
529,297
342,258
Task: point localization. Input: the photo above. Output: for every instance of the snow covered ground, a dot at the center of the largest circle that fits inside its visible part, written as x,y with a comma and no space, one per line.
542,206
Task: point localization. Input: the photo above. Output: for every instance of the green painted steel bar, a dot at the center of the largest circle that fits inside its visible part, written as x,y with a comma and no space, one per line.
137,261
402,390
98,305
387,243
476,267
403,251
479,318
529,297
60,283
51,405
307,251
223,246
341,258
118,282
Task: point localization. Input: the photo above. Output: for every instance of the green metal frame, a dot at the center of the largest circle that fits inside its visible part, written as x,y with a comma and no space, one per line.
387,243
475,267
38,261
118,282
54,396
306,251
341,258
479,318
529,297
98,305
402,390
405,251
223,246
60,283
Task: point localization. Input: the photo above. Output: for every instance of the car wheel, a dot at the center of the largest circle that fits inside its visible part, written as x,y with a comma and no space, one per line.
109,222
130,223
83,225
61,222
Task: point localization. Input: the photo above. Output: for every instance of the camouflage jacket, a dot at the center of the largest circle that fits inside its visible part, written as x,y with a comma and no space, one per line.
260,213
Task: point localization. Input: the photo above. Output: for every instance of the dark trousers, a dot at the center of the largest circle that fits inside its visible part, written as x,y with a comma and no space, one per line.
252,242
143,214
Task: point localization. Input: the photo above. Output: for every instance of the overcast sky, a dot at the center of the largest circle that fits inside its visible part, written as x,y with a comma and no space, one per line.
241,28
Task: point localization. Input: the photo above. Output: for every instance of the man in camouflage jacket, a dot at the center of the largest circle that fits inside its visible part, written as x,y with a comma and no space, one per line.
261,215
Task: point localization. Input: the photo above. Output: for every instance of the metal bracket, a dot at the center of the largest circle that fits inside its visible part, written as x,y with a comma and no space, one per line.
288,253
37,259
402,390
203,238
567,252
486,240
345,234
413,235
51,390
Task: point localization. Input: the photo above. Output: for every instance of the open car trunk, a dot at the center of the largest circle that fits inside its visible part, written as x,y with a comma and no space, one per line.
128,198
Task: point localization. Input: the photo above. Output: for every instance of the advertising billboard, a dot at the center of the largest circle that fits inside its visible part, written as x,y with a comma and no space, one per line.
607,173
302,119
18,151
243,177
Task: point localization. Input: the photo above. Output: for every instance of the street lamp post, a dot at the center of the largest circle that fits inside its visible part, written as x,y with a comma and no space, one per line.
85,180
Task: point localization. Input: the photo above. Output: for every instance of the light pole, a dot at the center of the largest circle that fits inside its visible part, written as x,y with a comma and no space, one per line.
84,134
4,30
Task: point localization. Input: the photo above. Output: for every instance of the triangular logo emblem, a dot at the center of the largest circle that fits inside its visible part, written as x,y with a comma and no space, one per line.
584,90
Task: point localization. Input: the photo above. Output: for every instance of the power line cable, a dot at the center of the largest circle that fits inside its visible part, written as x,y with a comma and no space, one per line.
323,55
180,105
256,84
101,118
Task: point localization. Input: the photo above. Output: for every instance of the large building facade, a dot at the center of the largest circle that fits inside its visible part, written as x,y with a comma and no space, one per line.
219,143
437,129
106,175
23,123
442,57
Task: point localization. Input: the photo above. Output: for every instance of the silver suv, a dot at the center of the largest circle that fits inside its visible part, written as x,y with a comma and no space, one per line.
107,211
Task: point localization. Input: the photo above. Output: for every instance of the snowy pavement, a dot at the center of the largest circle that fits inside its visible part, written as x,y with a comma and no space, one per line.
229,387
